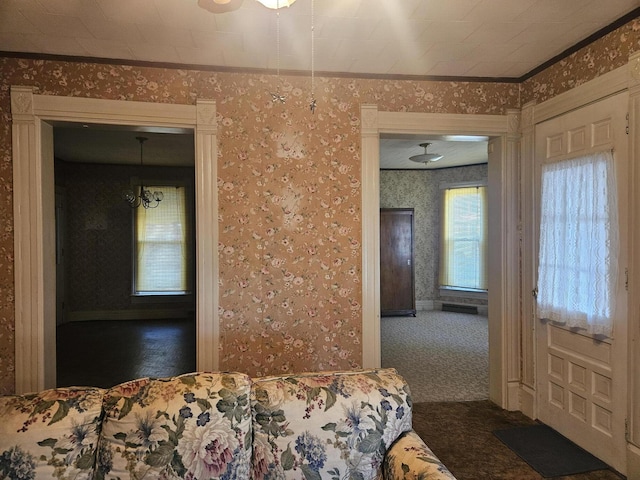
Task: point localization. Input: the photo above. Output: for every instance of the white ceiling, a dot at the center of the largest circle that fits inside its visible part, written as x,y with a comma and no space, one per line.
477,38
447,38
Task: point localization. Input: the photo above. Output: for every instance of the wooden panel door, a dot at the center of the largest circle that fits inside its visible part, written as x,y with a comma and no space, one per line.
581,379
396,262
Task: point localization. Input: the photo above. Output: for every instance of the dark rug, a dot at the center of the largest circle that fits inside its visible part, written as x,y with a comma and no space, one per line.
548,452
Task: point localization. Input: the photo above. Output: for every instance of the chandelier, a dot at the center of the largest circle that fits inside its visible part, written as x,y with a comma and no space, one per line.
145,197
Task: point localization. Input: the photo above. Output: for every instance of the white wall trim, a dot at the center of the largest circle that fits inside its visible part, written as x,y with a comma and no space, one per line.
370,180
375,122
633,327
34,238
608,84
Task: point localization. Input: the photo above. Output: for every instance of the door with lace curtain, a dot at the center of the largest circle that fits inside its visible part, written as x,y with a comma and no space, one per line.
581,377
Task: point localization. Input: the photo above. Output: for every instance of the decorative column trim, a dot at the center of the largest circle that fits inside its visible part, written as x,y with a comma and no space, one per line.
633,327
511,241
527,258
29,315
370,180
206,166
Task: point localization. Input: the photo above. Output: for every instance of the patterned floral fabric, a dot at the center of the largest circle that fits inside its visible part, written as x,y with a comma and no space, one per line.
327,425
195,426
198,426
409,458
51,434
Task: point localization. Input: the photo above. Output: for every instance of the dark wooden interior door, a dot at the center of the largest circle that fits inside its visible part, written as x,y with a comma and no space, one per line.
396,262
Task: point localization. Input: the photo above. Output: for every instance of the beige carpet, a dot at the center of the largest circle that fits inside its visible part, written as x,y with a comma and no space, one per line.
442,355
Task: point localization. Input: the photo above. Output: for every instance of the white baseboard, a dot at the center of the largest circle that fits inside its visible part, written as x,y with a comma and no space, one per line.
139,314
527,401
633,462
424,304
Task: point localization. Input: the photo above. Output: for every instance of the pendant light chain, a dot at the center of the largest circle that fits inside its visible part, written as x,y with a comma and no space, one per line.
312,106
277,96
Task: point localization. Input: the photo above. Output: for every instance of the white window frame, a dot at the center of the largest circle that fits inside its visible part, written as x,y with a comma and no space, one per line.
165,297
456,291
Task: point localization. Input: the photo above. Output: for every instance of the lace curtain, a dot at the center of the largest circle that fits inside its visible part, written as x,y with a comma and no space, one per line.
577,270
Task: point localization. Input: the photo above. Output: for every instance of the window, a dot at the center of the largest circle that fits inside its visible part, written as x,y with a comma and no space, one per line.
578,258
161,245
463,254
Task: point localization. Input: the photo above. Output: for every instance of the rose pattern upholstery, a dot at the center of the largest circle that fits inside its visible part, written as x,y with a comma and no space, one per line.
194,426
51,434
327,425
224,425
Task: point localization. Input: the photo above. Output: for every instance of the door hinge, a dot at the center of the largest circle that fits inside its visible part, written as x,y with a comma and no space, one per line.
534,292
627,436
626,279
627,129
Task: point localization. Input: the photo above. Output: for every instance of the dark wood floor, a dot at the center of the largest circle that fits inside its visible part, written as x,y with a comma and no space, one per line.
105,353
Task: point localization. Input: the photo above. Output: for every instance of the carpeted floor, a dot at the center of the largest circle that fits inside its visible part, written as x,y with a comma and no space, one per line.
460,434
444,356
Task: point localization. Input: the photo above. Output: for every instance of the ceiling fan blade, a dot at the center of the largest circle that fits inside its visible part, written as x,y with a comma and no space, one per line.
220,6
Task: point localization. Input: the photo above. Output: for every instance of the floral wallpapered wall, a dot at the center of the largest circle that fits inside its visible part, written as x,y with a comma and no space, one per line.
289,189
604,55
289,198
420,190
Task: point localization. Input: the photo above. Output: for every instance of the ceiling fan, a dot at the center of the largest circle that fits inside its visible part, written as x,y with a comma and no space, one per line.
222,6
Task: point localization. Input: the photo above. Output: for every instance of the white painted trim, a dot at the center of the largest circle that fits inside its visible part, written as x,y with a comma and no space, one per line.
34,244
633,462
374,123
371,355
633,327
608,84
527,401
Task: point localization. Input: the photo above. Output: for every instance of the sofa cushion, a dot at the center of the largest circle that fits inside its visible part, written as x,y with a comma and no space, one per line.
51,434
194,426
327,425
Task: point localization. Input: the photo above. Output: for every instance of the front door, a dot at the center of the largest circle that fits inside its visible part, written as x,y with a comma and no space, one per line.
581,380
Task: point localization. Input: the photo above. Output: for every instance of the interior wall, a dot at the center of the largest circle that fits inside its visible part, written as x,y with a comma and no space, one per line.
420,190
99,240
277,164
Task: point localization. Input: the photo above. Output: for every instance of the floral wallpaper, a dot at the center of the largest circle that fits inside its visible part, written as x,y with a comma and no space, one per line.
420,190
289,192
604,55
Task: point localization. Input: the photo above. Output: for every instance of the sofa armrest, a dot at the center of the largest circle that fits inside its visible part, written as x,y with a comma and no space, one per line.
409,458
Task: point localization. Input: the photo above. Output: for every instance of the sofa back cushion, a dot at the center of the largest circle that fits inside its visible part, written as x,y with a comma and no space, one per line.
327,425
50,434
194,426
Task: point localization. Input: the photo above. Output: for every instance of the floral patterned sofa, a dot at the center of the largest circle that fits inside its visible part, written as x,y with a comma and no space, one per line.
328,425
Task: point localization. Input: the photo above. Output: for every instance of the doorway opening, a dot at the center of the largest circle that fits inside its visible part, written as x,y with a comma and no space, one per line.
34,213
452,347
120,333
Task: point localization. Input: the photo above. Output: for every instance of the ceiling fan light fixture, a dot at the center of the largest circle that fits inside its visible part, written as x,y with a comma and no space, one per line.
425,157
275,4
220,6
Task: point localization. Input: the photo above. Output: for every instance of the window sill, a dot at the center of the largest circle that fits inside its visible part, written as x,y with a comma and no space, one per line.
163,297
463,293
